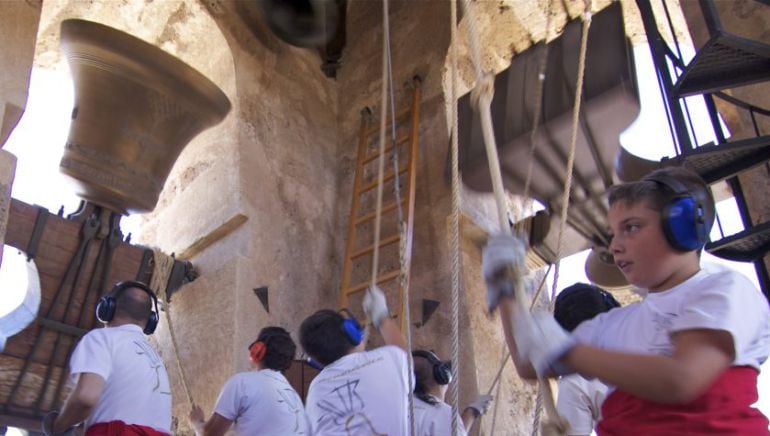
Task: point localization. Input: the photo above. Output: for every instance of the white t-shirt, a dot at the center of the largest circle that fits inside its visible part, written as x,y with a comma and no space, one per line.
580,403
136,388
262,403
362,393
434,419
717,300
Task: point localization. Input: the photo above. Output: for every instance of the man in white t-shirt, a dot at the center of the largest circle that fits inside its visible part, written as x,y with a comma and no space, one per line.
580,399
121,385
357,392
259,402
432,416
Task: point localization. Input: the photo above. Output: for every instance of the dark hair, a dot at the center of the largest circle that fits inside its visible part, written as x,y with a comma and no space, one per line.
280,348
423,379
323,338
133,303
581,302
658,195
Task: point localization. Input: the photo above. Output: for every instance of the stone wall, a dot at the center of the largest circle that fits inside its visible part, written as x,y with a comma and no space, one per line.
18,31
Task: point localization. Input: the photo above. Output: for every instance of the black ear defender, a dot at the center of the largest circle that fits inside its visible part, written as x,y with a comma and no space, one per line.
351,327
684,218
105,308
442,371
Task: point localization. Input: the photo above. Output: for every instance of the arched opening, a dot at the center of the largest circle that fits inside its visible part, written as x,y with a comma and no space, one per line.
21,293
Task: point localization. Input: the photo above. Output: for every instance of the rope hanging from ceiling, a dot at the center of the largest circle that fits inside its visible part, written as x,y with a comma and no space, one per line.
481,97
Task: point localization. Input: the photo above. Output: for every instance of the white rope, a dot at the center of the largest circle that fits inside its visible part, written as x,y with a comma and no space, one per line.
381,159
481,98
159,283
387,78
455,231
573,142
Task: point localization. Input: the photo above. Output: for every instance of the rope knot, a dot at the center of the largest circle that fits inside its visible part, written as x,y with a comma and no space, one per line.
484,91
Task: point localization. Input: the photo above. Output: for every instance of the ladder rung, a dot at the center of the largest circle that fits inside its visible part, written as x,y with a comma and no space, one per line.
399,115
381,279
386,208
387,177
374,156
383,242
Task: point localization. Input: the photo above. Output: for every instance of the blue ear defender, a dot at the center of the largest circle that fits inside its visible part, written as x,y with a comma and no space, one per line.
683,217
107,305
353,330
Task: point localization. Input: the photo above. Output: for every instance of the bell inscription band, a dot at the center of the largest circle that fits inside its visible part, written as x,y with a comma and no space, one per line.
136,108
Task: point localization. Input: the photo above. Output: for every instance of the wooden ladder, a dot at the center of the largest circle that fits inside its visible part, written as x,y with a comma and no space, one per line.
357,268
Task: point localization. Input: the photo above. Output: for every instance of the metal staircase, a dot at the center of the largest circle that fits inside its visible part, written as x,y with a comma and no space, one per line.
725,61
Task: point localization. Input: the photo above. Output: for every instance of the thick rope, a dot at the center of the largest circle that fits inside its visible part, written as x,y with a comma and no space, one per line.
455,230
405,268
538,100
381,159
573,142
387,78
481,98
158,283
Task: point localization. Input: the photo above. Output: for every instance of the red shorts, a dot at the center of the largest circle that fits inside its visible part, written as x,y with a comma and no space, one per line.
120,428
724,409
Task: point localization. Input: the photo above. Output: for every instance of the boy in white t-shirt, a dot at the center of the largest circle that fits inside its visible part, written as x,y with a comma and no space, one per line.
357,392
432,416
259,402
683,361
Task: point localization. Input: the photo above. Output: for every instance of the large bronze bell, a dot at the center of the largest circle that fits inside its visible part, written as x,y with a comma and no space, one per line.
136,108
302,23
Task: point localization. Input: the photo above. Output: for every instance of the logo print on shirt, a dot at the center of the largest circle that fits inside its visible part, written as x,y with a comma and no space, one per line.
345,407
144,349
289,397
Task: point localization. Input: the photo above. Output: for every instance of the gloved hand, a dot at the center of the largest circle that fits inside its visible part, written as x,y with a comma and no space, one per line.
47,425
501,252
480,405
375,305
542,341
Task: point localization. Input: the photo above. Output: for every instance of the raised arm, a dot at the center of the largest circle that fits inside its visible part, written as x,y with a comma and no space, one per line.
376,309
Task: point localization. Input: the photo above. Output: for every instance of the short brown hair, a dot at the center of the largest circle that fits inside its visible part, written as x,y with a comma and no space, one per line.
657,194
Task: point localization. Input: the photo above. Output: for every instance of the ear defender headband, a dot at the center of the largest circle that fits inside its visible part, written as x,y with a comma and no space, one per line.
350,326
257,351
105,308
442,371
683,217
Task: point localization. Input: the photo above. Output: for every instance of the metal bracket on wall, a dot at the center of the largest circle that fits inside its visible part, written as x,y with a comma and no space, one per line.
182,272
37,232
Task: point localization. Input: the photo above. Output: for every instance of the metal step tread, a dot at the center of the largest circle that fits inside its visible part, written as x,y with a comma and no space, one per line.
725,61
715,162
746,246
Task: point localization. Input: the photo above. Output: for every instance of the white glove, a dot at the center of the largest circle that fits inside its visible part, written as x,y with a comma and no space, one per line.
375,305
480,405
542,341
501,252
47,425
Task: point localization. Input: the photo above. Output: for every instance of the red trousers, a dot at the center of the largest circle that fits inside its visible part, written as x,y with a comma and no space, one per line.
724,409
120,428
